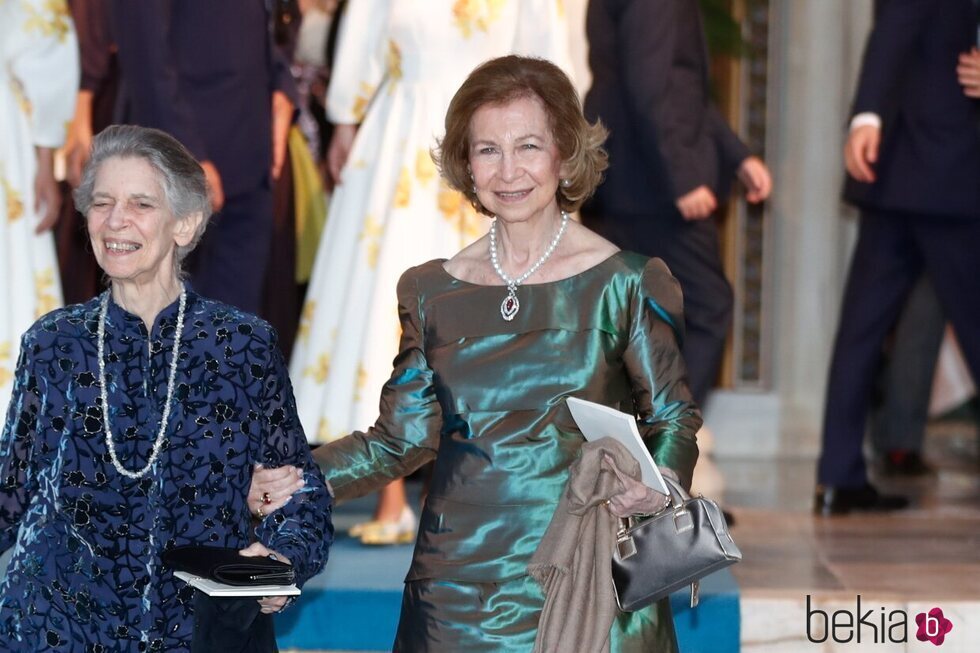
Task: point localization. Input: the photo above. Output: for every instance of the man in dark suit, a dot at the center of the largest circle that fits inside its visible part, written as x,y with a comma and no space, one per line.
671,157
208,73
913,159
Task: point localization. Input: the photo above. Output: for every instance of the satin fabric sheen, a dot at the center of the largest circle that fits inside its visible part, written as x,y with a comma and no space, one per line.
485,398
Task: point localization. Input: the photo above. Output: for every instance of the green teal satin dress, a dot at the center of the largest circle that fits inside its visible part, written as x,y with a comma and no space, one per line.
485,399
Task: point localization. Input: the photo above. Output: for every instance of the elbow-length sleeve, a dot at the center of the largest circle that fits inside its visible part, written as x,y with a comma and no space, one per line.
17,447
359,64
542,31
406,434
46,68
301,530
667,415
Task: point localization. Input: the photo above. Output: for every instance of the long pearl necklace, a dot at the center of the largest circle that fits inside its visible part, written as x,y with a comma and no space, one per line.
104,393
510,305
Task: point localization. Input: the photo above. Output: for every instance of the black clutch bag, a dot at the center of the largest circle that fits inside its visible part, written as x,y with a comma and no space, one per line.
226,565
661,553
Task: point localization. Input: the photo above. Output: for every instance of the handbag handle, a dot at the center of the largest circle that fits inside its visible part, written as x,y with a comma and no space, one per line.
675,500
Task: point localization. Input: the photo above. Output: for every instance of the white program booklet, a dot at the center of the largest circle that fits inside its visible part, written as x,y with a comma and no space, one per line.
597,421
214,588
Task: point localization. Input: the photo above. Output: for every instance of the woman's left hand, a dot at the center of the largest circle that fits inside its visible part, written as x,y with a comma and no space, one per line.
636,498
270,604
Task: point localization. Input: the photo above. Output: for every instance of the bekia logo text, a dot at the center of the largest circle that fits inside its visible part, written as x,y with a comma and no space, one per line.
873,625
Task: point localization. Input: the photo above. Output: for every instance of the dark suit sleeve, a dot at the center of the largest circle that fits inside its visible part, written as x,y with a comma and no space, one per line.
142,31
646,38
898,26
647,33
731,150
94,43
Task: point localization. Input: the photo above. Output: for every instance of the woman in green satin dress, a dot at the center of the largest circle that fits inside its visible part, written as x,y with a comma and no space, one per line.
494,340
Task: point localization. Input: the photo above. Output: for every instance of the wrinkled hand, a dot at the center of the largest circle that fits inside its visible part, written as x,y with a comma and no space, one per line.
282,119
280,483
968,73
47,198
217,190
861,152
339,149
697,204
270,604
636,498
755,176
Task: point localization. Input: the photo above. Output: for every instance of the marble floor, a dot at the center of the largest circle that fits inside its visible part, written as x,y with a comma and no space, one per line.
900,564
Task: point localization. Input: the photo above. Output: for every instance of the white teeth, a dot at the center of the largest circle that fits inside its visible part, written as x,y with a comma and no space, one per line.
122,247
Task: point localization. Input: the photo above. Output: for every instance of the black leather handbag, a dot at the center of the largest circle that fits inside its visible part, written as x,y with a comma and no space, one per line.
226,565
661,553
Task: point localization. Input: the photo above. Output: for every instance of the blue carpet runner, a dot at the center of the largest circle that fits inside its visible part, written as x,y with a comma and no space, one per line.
353,605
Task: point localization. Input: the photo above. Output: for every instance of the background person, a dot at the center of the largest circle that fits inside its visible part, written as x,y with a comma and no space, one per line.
913,161
38,80
134,423
209,74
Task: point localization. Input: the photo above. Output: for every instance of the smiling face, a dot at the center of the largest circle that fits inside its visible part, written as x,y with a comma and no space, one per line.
130,224
514,160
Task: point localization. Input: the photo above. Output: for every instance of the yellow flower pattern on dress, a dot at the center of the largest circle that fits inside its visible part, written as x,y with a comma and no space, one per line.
371,235
6,363
361,101
457,210
403,191
393,62
473,15
15,203
319,371
323,430
361,381
425,168
53,19
17,90
43,287
306,320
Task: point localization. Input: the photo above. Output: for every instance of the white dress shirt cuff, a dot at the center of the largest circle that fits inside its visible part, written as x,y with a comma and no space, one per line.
865,118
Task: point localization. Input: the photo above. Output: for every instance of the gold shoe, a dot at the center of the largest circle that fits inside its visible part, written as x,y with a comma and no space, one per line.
357,529
384,533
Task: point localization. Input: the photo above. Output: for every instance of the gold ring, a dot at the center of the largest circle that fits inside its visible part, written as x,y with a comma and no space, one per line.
266,499
259,513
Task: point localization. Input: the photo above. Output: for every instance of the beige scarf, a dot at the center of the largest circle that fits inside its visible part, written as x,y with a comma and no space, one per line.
572,562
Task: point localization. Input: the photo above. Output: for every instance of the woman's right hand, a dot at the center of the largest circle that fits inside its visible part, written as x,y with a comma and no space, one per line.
339,149
272,488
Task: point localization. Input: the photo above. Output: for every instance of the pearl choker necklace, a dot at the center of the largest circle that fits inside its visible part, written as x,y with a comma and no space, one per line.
510,305
104,393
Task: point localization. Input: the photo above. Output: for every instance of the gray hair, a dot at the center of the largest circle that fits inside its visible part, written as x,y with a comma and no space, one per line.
182,178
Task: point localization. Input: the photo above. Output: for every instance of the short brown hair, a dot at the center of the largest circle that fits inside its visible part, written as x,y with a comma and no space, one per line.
502,80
